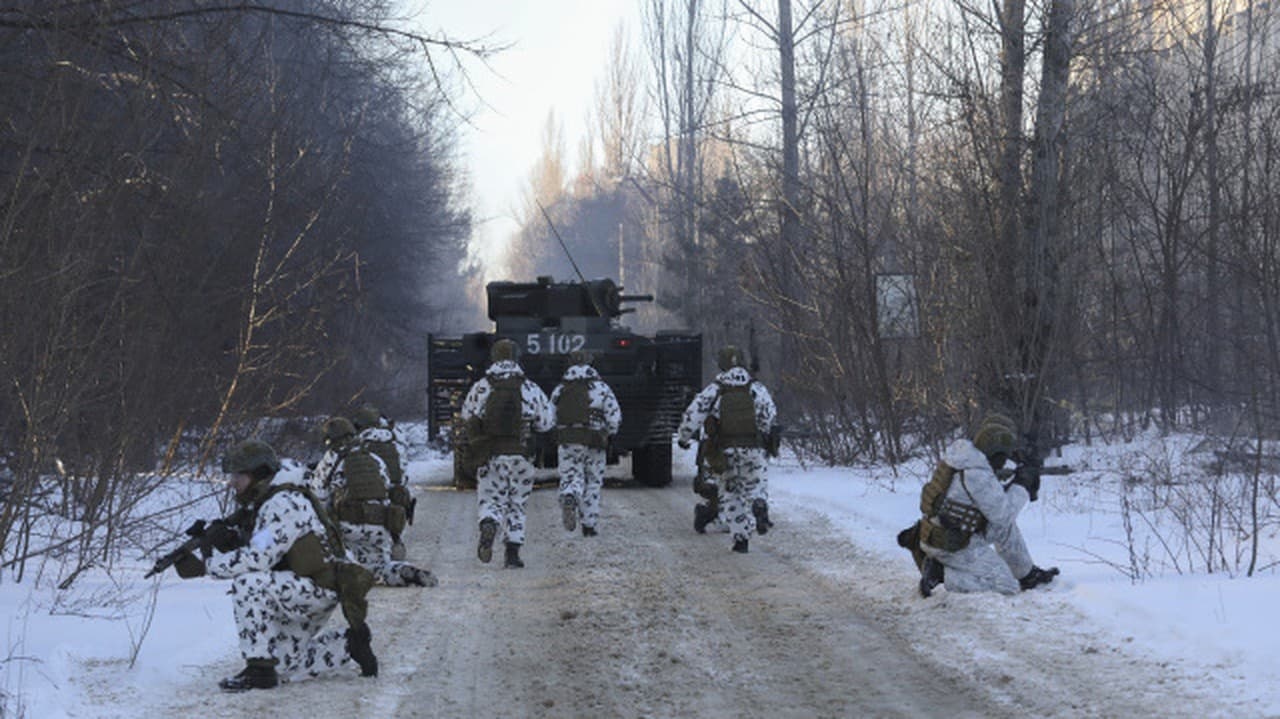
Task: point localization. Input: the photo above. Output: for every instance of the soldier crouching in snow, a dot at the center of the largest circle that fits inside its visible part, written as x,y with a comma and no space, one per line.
499,410
377,434
969,536
357,485
587,415
744,416
284,579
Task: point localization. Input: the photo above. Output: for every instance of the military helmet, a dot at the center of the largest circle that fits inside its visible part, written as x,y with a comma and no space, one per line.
1000,420
580,357
249,455
993,439
367,416
504,350
729,357
337,428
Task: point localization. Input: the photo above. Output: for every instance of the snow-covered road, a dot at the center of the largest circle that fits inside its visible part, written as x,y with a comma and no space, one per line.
652,620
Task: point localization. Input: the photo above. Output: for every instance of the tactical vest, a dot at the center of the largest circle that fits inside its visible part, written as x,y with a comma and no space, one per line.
737,417
948,525
503,423
362,501
310,557
390,456
574,416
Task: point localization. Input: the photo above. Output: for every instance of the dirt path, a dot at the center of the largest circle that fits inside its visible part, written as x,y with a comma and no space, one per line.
651,620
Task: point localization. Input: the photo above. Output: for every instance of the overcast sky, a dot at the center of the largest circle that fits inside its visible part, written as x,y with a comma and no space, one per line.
559,48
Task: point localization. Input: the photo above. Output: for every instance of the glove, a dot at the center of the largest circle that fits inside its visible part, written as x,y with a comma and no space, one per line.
189,567
1029,478
684,442
220,536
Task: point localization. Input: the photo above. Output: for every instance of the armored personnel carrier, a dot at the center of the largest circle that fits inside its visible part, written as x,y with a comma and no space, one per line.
654,377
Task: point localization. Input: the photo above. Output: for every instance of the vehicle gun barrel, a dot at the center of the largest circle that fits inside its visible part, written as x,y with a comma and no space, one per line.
635,298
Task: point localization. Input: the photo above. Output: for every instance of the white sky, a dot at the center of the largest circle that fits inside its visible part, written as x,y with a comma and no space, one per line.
558,54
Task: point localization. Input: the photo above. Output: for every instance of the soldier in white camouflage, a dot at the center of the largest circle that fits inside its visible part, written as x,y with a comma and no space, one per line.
356,482
283,566
743,416
969,535
587,415
501,411
378,435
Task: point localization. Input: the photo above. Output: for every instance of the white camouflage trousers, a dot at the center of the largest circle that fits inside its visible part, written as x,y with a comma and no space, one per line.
993,561
370,546
503,485
743,481
582,477
282,616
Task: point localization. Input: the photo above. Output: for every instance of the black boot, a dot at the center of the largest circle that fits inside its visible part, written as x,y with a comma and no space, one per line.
702,516
760,509
1037,576
588,531
931,575
740,546
513,556
488,530
569,512
257,674
360,647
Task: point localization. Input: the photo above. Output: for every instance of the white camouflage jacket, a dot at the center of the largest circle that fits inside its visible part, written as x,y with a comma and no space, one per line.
979,487
707,404
600,397
282,520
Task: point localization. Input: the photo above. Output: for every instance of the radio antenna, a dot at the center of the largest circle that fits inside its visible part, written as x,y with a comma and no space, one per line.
585,287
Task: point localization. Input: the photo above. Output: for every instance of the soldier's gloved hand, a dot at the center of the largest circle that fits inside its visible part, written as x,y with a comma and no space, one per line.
220,536
189,567
684,442
1029,478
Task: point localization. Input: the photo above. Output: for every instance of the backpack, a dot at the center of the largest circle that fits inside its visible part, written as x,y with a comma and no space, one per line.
574,415
738,417
503,420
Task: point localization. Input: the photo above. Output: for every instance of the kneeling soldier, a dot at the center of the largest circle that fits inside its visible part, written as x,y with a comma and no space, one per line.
284,580
357,484
378,435
969,536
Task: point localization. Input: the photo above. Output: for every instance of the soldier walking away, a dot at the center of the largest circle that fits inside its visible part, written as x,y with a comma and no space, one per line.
287,577
378,435
501,410
356,482
738,416
587,415
968,539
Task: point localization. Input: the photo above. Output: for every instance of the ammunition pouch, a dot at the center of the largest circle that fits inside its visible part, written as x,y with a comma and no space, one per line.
400,497
397,518
362,513
353,583
773,441
948,539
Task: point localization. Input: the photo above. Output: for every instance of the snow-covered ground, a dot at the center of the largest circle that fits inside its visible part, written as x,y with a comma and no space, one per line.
1129,578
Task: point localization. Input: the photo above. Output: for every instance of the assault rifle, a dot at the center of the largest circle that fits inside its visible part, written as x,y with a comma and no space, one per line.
1007,473
221,534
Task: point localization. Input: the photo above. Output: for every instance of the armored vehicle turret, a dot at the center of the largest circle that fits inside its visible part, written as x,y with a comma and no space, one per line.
653,376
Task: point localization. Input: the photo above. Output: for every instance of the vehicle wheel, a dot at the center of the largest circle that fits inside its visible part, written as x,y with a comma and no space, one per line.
651,465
